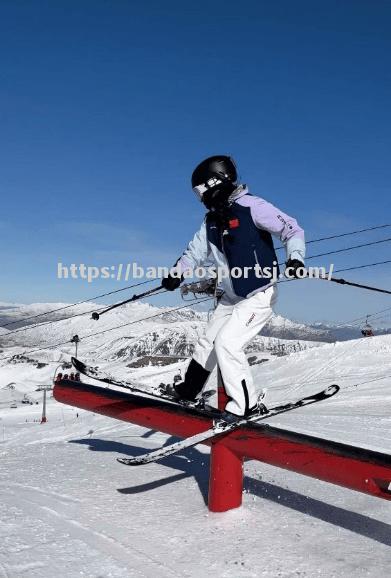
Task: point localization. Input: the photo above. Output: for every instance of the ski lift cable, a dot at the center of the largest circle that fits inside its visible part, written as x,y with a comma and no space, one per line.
102,308
342,235
43,323
353,247
77,303
359,320
349,248
34,326
388,239
53,346
363,266
150,280
341,281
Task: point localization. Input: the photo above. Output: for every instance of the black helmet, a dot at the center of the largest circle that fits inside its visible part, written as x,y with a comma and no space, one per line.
217,173
219,166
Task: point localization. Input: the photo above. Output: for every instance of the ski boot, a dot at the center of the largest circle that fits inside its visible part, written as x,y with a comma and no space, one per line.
256,410
228,418
168,390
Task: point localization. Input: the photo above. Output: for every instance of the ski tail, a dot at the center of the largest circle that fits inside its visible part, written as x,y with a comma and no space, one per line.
137,388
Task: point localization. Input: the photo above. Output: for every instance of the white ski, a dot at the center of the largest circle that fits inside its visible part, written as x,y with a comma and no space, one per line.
221,427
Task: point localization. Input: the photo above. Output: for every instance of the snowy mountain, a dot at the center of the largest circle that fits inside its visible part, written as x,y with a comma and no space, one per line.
283,328
14,316
135,335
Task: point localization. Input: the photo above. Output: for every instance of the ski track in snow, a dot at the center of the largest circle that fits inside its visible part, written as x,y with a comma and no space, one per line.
68,509
79,513
38,504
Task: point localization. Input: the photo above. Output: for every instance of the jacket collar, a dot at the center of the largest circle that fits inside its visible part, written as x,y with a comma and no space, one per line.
240,191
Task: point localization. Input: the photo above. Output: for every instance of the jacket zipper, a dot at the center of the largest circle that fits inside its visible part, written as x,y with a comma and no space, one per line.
257,262
226,258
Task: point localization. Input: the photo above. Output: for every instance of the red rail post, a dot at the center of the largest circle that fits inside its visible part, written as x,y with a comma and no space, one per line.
226,471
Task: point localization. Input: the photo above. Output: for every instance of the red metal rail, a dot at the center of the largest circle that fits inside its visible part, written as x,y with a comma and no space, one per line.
349,466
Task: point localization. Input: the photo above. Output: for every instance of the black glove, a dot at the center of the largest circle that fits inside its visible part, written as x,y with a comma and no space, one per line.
291,268
171,283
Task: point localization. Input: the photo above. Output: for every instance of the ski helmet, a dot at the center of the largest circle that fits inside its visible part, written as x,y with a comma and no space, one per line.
214,178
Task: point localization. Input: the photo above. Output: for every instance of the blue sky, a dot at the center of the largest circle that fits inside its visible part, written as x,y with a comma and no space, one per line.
106,107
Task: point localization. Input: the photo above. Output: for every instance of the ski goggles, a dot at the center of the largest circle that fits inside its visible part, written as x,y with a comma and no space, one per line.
200,190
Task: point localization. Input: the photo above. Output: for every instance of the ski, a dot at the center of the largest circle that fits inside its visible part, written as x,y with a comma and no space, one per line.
95,373
221,427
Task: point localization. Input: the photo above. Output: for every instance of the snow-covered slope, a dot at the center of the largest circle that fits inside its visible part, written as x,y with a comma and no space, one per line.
68,509
135,333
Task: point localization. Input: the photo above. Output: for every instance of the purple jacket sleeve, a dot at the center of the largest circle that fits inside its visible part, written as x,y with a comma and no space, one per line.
268,217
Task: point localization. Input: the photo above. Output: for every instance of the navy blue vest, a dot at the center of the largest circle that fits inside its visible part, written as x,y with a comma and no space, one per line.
244,246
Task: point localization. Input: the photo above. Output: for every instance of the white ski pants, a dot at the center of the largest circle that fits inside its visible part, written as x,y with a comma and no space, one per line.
229,330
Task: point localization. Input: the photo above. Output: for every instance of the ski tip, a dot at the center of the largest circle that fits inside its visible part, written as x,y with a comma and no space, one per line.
332,389
77,364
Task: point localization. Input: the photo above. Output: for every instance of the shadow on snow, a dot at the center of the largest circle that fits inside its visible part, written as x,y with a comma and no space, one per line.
193,463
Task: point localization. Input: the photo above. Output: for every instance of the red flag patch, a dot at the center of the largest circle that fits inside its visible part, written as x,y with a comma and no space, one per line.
234,223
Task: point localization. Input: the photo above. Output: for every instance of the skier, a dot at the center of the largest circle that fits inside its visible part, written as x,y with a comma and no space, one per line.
236,233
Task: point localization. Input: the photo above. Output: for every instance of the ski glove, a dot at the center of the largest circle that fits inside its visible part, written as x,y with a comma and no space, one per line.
171,282
291,268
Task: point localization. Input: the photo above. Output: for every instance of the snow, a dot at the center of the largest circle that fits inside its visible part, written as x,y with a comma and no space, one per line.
69,509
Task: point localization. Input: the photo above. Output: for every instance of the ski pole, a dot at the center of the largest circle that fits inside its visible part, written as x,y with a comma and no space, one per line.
359,285
96,315
328,277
